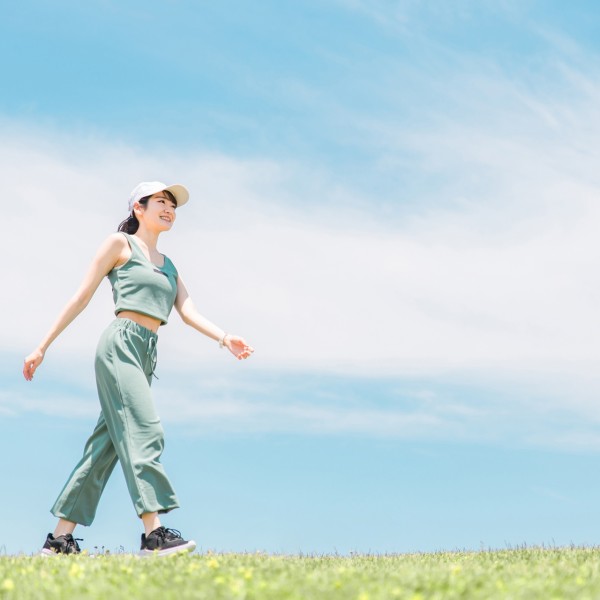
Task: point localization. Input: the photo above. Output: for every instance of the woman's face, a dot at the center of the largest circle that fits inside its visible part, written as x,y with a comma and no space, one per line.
159,214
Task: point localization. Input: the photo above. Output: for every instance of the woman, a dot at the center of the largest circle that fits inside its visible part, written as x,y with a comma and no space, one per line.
146,286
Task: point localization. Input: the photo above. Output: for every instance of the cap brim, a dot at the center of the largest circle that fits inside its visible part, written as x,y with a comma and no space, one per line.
180,192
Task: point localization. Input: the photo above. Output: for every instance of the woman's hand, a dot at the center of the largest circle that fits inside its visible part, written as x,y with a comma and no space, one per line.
238,346
32,362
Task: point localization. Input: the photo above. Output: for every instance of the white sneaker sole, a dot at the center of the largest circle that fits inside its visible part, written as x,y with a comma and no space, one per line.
187,547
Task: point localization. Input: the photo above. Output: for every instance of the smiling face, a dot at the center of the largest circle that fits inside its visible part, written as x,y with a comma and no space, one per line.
159,213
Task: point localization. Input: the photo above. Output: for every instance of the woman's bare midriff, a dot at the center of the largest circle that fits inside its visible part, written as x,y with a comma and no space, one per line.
143,320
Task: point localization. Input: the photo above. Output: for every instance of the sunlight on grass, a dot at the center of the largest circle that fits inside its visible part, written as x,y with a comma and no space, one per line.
523,573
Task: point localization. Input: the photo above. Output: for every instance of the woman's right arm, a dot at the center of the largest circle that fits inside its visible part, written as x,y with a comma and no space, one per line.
106,258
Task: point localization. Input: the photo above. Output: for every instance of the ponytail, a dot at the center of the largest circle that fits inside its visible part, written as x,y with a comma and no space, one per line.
130,224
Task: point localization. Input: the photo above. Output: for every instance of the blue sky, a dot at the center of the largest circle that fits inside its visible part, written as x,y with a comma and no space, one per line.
395,202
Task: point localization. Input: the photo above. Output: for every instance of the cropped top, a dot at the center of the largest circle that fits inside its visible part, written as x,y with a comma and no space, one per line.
141,286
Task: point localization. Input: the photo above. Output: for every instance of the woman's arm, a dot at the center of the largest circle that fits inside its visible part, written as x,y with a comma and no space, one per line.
190,316
107,256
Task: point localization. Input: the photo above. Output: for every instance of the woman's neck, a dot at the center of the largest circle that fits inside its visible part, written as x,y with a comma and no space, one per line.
150,238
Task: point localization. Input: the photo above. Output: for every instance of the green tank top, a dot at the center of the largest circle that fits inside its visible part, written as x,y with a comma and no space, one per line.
141,286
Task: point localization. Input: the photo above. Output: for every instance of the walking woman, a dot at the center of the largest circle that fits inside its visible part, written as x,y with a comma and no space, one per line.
145,287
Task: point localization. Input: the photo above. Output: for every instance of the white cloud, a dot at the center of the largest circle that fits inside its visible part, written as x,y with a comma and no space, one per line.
507,279
492,408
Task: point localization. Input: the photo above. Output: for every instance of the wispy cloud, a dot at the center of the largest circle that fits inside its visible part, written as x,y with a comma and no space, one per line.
458,408
412,17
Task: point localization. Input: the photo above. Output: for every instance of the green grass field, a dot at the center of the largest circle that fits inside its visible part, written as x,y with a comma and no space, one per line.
525,573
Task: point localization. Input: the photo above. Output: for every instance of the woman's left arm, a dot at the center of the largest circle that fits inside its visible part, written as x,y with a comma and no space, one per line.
190,316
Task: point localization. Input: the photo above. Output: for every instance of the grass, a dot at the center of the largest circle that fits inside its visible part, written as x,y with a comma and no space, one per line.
526,573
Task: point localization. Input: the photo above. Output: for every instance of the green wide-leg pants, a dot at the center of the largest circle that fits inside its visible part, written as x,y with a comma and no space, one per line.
128,430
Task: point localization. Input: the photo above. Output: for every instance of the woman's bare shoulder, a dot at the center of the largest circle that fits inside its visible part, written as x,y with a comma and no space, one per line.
117,247
117,237
115,242
113,248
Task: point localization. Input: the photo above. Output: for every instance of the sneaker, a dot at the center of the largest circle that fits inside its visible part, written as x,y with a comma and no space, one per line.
163,541
62,544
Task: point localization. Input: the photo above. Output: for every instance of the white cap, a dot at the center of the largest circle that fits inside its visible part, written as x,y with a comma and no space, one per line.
149,188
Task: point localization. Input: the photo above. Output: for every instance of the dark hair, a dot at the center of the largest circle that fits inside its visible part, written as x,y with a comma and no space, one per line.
130,224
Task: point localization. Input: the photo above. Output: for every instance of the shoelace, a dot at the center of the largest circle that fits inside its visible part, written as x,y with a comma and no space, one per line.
72,544
167,534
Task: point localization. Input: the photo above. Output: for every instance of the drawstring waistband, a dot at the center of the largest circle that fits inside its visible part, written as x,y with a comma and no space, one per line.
147,334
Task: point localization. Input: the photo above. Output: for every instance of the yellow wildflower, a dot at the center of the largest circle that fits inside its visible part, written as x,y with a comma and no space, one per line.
76,570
